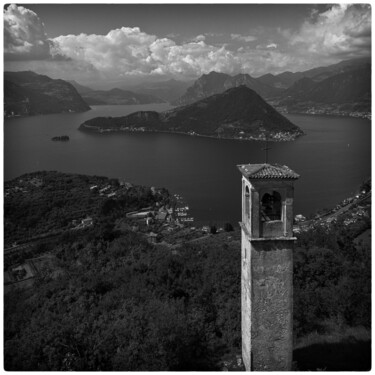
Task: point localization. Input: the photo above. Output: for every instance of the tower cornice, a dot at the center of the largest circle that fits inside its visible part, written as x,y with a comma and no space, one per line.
263,239
267,171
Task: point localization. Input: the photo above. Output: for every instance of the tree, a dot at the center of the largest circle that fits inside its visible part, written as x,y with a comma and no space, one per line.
228,227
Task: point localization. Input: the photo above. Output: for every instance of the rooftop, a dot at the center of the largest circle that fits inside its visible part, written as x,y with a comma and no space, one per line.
267,171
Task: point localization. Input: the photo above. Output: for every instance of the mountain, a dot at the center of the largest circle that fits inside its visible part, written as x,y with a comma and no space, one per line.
169,90
321,73
28,93
280,81
114,96
272,80
287,79
118,96
80,88
352,87
205,86
299,88
237,113
216,83
260,88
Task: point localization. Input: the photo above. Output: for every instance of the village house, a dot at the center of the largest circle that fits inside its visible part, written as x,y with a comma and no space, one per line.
87,222
153,237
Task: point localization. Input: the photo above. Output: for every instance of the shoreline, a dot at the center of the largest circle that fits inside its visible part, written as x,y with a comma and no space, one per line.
95,129
6,117
335,115
364,117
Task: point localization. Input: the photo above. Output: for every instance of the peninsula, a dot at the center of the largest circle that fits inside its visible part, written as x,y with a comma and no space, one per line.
238,113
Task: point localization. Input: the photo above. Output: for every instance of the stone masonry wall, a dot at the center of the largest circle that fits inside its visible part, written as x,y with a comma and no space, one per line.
271,305
246,301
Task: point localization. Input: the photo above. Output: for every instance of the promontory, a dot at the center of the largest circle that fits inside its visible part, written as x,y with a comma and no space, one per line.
238,113
27,93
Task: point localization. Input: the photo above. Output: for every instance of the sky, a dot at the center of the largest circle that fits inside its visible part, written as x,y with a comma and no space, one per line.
130,43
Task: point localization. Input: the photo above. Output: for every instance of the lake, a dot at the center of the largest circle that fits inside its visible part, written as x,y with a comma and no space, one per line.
333,158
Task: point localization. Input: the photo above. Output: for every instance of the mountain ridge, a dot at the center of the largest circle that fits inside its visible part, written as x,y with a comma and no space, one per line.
287,79
216,83
28,93
269,86
350,90
114,96
168,90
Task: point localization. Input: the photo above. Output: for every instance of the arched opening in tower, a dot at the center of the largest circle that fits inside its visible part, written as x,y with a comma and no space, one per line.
271,206
247,203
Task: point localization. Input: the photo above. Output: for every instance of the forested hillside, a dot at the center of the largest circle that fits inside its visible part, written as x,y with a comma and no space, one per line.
122,304
27,93
114,301
42,202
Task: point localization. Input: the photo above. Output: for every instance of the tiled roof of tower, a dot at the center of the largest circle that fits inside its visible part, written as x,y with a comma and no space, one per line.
267,171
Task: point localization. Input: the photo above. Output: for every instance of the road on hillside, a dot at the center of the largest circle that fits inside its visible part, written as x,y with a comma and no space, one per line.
333,215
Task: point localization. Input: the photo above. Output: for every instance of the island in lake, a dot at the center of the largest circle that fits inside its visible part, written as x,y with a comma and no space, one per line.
238,113
61,138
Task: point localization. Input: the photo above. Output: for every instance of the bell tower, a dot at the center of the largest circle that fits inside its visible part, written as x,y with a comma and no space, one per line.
267,266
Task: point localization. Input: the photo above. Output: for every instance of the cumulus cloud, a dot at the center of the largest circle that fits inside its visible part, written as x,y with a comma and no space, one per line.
271,45
24,35
243,38
341,30
200,38
129,51
124,50
173,35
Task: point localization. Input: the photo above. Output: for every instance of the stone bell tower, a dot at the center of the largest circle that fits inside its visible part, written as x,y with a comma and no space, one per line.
267,266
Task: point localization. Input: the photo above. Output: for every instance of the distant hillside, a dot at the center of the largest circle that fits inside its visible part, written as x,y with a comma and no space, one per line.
237,113
321,73
216,83
80,88
287,79
352,88
28,93
299,88
169,90
282,80
118,96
